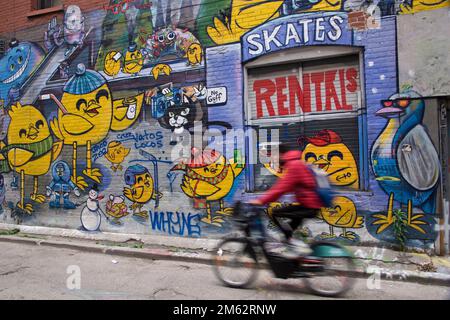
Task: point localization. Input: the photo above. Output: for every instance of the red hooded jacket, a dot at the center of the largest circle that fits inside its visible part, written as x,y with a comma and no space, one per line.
296,178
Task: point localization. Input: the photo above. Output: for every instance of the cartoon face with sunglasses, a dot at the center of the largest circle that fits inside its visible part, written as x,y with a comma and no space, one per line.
400,103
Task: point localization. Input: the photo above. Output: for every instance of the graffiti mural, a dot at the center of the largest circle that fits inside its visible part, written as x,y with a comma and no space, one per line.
176,223
30,149
100,124
116,208
243,16
91,214
141,189
74,28
232,20
327,151
209,177
61,186
405,161
342,215
17,65
87,112
116,154
123,24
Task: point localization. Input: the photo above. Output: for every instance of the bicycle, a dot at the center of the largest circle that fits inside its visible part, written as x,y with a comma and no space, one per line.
328,261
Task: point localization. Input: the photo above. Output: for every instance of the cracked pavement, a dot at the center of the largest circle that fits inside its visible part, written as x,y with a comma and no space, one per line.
34,272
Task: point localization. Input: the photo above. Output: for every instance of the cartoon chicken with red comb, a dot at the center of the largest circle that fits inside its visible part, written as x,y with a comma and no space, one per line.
326,150
209,177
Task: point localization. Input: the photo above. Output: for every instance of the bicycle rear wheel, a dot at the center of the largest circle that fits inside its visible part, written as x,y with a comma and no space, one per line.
235,263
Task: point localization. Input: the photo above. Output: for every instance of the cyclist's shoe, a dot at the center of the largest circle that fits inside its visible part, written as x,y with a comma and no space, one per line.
296,248
275,247
274,236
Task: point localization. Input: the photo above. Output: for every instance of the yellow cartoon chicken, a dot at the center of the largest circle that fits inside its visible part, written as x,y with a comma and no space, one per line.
113,63
30,150
87,112
342,215
245,15
194,54
327,151
321,5
116,154
414,6
161,69
209,177
133,61
141,189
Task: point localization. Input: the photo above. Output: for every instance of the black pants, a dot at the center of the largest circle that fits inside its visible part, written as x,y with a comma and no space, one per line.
296,214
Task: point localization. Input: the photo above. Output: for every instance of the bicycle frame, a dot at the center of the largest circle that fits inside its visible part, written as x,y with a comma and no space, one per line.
284,267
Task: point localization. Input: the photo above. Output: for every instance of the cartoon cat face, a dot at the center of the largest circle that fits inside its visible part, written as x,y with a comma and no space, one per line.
178,118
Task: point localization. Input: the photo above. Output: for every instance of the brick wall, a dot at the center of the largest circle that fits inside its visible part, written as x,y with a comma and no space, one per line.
13,15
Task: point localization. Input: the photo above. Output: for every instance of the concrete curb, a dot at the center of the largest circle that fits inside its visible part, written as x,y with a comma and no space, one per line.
145,253
427,278
158,240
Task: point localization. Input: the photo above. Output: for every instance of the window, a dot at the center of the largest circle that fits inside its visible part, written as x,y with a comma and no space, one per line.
45,4
313,105
2,47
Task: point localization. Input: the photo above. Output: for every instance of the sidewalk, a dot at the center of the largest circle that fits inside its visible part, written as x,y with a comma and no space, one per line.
371,261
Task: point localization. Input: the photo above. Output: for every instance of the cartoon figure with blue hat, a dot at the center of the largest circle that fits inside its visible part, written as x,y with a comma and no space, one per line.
134,60
142,189
87,112
61,186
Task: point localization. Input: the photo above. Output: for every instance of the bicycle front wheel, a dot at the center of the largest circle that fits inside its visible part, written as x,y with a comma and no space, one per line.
235,263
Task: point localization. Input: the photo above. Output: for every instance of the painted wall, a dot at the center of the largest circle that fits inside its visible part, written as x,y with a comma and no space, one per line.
424,62
100,109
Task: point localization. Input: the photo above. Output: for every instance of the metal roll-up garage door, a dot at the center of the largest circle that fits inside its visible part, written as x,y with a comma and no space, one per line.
308,101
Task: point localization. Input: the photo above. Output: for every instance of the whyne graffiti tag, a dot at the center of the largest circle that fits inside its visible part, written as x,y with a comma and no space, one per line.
176,223
144,139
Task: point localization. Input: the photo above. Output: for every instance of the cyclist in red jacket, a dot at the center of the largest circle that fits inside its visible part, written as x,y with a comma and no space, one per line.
298,179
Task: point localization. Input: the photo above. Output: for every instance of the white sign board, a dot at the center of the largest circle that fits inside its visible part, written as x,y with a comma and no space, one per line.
216,96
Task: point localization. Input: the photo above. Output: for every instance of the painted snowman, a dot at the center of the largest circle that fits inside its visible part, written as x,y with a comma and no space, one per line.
91,215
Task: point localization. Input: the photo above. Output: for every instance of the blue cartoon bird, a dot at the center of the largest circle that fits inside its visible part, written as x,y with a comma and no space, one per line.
404,160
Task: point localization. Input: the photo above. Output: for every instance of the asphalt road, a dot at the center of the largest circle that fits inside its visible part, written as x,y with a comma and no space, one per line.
33,272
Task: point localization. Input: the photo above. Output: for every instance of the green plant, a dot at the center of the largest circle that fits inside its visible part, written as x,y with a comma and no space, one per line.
9,232
400,223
